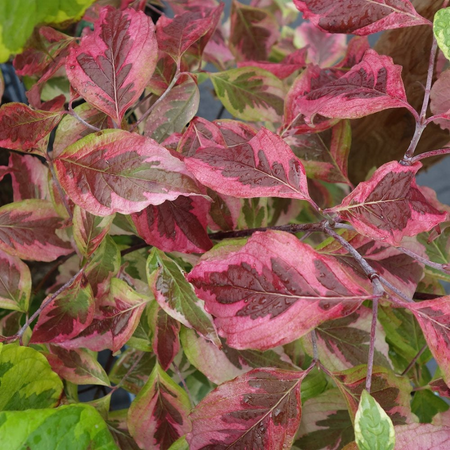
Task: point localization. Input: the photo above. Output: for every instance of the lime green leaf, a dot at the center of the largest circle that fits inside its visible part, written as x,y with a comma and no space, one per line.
18,19
373,427
441,29
75,427
26,381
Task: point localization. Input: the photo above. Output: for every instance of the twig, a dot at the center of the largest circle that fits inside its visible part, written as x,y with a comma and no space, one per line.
414,360
59,188
133,366
395,290
373,331
439,152
134,248
183,382
314,346
427,262
86,124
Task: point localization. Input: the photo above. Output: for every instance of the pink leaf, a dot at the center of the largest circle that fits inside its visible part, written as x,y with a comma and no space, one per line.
324,49
175,36
115,320
371,86
360,16
117,171
263,167
28,230
166,343
272,290
434,319
421,435
253,32
440,100
178,225
67,315
260,409
390,205
112,65
159,414
15,283
29,177
21,128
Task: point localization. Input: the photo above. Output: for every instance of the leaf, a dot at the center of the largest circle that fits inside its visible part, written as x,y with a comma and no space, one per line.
18,19
223,363
28,231
77,366
325,423
115,320
373,427
253,32
112,65
434,319
29,177
439,101
89,230
117,171
390,205
440,27
172,114
425,405
178,225
158,415
176,296
21,128
250,93
392,392
263,167
423,436
78,427
175,36
360,17
261,407
26,381
166,343
15,283
324,49
103,265
344,343
272,290
373,85
67,315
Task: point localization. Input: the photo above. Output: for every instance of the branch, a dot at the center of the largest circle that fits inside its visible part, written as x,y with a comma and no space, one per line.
414,360
86,124
440,152
427,262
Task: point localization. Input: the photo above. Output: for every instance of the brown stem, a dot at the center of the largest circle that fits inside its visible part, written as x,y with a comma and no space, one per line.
117,386
427,262
414,360
377,291
314,346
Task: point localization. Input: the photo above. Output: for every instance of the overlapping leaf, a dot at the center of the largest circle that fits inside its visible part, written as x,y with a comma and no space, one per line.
116,171
15,283
370,86
67,315
176,296
253,32
272,290
112,65
77,366
28,230
115,320
177,35
250,93
360,16
261,407
390,205
262,167
26,380
172,114
21,128
159,414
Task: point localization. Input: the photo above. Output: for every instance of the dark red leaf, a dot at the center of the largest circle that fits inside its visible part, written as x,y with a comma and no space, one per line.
178,225
260,409
360,16
272,290
166,343
113,65
390,205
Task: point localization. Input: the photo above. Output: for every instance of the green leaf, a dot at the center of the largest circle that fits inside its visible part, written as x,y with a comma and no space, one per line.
26,381
441,29
180,444
250,93
373,427
18,19
74,427
426,405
